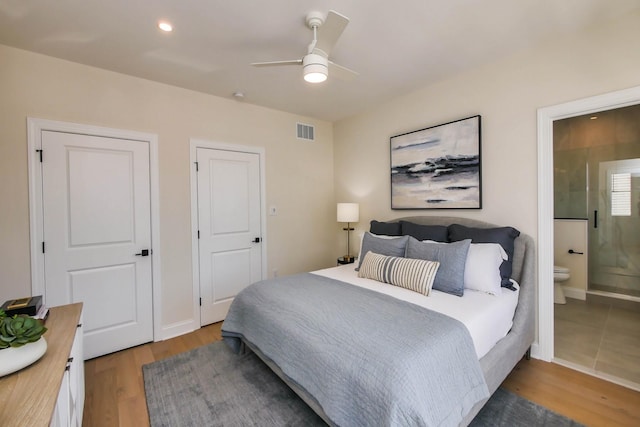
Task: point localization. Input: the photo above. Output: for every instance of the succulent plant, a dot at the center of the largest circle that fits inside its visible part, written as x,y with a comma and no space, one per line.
19,330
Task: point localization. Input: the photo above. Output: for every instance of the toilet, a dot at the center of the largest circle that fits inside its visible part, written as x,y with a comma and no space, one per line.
560,274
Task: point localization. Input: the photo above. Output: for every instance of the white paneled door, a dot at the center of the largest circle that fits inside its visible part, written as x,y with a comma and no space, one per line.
229,223
97,236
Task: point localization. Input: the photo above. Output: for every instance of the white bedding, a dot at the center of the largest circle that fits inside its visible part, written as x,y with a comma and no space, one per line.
487,317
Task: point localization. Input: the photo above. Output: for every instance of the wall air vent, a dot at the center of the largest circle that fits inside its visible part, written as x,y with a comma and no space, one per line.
305,132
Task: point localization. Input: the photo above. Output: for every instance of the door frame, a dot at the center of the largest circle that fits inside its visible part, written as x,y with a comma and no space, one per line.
546,116
35,127
194,144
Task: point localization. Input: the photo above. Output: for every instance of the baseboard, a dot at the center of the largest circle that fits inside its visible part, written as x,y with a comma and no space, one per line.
574,293
535,352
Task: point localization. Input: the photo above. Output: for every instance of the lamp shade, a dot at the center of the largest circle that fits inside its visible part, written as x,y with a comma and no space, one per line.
348,212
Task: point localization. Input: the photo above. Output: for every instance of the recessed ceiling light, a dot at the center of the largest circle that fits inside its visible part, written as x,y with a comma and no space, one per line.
593,118
165,26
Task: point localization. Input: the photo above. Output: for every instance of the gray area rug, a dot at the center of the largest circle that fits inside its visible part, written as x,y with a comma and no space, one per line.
211,386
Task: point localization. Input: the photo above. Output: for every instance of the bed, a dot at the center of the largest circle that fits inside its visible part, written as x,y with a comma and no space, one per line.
354,370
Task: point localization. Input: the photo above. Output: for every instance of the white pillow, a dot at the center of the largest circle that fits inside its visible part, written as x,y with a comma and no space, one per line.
482,269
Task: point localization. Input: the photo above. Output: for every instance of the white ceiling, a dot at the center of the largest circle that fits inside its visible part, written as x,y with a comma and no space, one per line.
396,47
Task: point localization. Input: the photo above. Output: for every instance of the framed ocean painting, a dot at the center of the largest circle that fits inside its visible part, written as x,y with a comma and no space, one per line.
438,167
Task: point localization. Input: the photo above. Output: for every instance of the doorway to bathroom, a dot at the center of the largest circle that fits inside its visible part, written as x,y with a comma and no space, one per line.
597,180
596,183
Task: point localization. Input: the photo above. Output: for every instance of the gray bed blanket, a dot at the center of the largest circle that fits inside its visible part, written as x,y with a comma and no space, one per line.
366,358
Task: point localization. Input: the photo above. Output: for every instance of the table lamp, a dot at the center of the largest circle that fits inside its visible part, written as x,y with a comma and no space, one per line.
348,212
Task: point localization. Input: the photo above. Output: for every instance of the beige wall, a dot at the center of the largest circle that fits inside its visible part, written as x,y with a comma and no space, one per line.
299,175
507,94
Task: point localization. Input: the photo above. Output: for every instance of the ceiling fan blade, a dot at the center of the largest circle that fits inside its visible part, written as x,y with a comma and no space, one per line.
340,72
276,63
330,31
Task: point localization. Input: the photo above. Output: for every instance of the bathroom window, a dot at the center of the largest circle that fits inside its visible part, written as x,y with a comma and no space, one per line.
621,194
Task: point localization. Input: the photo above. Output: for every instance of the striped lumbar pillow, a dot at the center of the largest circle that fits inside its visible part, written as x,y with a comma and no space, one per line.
413,274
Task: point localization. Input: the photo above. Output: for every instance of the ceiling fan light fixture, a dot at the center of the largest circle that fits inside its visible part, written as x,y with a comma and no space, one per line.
315,64
315,76
165,26
315,68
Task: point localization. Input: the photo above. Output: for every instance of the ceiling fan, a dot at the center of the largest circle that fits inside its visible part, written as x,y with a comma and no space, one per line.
316,64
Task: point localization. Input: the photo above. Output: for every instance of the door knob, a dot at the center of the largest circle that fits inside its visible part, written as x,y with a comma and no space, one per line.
571,251
256,240
144,252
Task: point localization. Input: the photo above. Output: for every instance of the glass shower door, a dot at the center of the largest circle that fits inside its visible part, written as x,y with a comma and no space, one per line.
614,265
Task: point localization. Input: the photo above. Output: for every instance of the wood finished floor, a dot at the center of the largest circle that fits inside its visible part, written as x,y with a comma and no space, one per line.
115,390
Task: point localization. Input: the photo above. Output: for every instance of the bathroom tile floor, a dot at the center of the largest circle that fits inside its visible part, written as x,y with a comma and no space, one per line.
599,337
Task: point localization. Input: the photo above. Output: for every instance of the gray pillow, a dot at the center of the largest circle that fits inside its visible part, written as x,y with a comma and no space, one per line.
385,228
452,258
390,246
439,233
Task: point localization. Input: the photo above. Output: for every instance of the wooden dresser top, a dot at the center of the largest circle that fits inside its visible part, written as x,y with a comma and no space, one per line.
28,397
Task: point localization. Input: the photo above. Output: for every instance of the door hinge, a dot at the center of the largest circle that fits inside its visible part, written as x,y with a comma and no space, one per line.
42,247
196,166
200,302
198,234
40,153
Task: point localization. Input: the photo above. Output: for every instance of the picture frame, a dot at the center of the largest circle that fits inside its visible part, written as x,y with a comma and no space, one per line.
438,167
